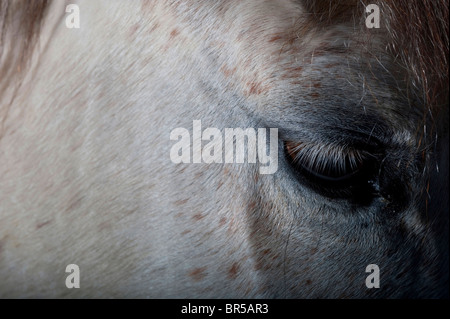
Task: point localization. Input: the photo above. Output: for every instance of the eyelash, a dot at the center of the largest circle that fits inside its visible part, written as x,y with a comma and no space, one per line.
333,170
325,158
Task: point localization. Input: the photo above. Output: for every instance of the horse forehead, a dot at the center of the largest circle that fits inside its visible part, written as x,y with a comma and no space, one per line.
261,46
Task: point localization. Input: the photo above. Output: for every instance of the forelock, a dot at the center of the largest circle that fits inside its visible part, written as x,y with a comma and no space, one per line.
20,23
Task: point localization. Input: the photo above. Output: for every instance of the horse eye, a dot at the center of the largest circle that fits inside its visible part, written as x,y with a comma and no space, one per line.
333,170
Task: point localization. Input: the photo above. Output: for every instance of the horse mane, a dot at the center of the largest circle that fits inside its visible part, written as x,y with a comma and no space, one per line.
20,24
418,36
419,32
20,19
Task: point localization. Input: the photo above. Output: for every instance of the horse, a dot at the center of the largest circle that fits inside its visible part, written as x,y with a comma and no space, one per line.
96,97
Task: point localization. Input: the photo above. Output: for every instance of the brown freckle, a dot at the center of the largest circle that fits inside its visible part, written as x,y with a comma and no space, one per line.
220,184
198,174
231,229
267,267
222,221
315,95
75,202
292,73
154,27
308,282
181,202
184,232
198,216
198,273
131,211
317,85
232,273
174,33
38,226
297,69
227,72
266,251
258,265
242,35
275,38
252,205
219,44
76,146
104,226
134,29
314,250
147,6
255,88
101,94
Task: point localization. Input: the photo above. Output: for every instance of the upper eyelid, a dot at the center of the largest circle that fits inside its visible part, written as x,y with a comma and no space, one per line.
319,157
